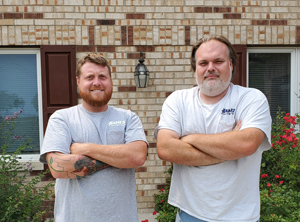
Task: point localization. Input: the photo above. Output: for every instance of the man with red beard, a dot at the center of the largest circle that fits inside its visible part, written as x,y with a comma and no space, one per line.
215,135
92,150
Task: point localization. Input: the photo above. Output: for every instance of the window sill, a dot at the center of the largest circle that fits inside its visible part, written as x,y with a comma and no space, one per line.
33,159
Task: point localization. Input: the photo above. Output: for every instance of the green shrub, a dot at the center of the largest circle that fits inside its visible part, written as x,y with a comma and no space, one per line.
280,177
20,199
166,212
280,172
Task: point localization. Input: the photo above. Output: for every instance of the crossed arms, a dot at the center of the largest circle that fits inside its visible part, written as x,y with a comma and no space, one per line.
88,158
208,149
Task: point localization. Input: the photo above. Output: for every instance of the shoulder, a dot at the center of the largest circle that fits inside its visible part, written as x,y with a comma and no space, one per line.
183,95
249,93
66,111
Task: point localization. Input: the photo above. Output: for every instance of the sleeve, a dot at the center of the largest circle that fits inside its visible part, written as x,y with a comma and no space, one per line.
57,136
255,113
134,129
170,115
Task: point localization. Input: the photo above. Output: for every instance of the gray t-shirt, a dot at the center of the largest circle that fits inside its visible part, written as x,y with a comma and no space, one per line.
107,195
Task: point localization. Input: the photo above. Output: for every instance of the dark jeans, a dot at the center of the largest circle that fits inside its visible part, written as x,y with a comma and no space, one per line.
184,217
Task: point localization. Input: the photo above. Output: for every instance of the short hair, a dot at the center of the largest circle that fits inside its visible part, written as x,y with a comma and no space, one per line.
231,51
94,58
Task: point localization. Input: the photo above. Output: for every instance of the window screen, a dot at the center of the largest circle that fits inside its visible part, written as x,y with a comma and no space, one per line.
18,91
270,73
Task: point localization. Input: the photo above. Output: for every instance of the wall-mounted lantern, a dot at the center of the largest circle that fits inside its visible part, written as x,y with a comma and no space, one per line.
141,74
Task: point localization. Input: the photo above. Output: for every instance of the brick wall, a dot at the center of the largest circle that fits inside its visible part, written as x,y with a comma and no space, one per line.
163,29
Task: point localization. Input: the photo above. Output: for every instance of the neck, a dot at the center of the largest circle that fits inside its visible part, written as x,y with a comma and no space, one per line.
209,100
94,109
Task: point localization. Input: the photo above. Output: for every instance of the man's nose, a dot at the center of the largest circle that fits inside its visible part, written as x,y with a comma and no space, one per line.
211,67
97,82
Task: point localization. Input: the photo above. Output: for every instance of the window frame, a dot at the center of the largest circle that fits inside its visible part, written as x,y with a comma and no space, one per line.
295,72
32,158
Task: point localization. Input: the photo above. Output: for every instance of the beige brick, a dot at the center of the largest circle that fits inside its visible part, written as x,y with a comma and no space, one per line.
12,2
24,22
33,2
213,3
292,35
6,22
53,15
7,9
260,9
274,35
42,9
74,15
203,22
73,2
146,187
83,9
269,3
44,22
288,16
65,22
54,2
279,9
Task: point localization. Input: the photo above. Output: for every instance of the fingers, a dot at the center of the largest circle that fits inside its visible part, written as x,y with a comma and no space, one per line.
238,126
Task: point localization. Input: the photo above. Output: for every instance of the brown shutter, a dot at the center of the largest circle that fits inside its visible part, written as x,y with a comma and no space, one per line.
240,77
59,88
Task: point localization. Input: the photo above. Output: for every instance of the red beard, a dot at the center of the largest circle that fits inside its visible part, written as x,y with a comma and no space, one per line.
96,101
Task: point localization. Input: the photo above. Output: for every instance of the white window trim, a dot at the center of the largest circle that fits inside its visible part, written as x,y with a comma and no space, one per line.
32,158
295,71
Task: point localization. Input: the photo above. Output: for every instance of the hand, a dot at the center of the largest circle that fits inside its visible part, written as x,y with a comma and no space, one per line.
76,148
238,126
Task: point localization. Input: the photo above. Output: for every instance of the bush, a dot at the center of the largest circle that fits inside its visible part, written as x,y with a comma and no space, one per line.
280,177
280,172
20,199
166,212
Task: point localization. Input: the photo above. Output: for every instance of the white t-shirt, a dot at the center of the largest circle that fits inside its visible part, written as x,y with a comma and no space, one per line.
228,191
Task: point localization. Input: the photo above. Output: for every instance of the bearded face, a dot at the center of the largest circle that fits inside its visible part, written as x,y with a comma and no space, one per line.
213,68
95,87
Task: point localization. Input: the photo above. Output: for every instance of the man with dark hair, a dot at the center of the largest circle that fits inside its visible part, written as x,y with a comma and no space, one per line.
215,135
92,150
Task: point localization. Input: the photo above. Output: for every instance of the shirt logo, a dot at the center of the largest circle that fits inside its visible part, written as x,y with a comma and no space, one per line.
116,123
228,111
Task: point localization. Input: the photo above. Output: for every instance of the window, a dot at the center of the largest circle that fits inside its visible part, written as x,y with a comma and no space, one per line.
275,72
20,89
38,82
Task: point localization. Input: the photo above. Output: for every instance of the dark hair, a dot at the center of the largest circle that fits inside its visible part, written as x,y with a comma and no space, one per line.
231,51
94,58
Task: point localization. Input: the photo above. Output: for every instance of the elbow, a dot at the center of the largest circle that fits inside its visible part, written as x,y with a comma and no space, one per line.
162,153
138,159
55,174
249,150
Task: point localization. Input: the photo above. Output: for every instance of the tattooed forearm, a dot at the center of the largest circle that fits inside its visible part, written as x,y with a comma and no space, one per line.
88,166
72,166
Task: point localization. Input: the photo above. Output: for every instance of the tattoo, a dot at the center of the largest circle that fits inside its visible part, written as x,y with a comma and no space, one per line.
83,165
88,166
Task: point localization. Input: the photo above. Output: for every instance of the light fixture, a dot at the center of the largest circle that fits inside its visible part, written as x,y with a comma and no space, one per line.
141,74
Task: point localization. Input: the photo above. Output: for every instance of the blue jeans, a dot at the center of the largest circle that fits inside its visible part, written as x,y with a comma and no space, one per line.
184,217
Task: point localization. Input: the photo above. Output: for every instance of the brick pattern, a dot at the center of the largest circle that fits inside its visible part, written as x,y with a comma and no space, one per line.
164,30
